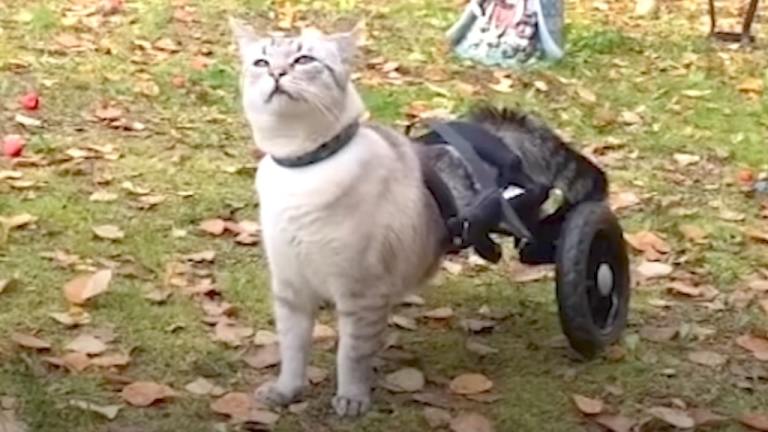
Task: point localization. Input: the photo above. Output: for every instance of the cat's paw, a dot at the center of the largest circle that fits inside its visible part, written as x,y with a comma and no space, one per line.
346,406
276,396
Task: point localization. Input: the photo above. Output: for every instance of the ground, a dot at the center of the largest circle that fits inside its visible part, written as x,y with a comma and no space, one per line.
142,131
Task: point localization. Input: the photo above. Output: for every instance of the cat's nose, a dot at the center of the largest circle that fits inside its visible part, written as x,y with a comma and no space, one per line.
278,73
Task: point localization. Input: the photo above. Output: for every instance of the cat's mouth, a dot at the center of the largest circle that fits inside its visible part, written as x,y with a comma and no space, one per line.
279,91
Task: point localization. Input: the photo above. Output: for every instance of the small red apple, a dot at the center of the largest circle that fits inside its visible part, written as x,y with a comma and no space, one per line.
30,101
13,145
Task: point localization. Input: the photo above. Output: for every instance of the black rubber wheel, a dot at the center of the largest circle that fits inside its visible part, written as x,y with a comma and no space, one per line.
592,276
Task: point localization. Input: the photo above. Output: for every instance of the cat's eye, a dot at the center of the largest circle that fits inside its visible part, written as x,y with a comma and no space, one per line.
304,59
261,63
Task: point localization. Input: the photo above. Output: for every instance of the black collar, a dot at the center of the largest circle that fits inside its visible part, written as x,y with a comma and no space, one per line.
326,150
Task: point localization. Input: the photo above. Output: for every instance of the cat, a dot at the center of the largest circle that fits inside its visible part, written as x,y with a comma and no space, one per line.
355,227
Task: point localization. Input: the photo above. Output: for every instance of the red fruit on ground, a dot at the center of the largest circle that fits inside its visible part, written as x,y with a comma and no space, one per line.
30,101
13,145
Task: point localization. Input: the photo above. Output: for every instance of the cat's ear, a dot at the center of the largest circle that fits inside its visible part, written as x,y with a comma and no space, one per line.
348,42
244,34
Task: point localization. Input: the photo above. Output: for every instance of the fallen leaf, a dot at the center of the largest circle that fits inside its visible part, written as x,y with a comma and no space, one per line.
72,318
695,94
731,215
587,405
615,423
706,292
436,417
764,305
264,337
755,421
650,244
759,285
439,313
80,289
17,221
145,393
103,196
673,416
413,300
316,375
658,334
406,380
108,113
477,325
111,360
29,341
108,411
586,95
87,344
705,417
323,333
486,398
404,322
213,226
299,407
471,422
201,257
654,270
479,348
707,358
751,85
203,387
28,121
693,233
759,236
158,295
263,357
76,361
6,284
231,334
108,232
630,118
471,383
9,423
241,407
439,400
623,200
757,345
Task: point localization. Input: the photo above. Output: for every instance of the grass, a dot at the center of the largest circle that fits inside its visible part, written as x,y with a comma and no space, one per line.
195,140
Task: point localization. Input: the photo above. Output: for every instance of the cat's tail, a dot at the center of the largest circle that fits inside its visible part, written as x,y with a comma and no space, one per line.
545,155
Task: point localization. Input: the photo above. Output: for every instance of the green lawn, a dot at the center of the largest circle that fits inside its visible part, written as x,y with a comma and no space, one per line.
635,92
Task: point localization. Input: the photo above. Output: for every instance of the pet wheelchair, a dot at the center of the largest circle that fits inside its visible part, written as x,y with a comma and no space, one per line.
584,240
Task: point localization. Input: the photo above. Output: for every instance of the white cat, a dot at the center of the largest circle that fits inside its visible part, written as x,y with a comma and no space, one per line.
345,214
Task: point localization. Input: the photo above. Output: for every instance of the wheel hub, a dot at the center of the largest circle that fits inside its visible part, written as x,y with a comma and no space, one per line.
604,279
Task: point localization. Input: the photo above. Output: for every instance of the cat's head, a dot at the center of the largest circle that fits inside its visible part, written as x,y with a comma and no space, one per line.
303,78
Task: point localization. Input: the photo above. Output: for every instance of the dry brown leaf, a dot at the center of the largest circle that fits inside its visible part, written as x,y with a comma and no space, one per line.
206,256
479,348
316,375
705,292
654,270
588,406
693,233
323,333
246,239
756,421
439,400
471,383
471,422
72,318
477,325
145,393
17,221
615,423
623,200
707,358
79,290
408,380
87,344
108,113
6,284
764,305
649,243
751,85
586,95
757,345
111,360
630,118
213,226
413,300
436,417
759,286
264,337
404,322
757,235
108,411
673,416
108,232
440,313
203,387
241,407
103,196
231,334
29,341
263,357
731,215
705,417
76,361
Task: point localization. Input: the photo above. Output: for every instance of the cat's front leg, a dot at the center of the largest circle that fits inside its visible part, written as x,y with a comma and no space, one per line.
362,324
294,319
